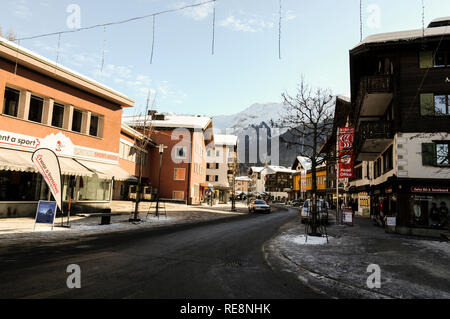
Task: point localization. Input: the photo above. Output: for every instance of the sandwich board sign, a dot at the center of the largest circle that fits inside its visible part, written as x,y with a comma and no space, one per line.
45,213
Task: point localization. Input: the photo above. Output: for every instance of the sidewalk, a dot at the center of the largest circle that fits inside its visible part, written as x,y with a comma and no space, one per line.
410,267
16,232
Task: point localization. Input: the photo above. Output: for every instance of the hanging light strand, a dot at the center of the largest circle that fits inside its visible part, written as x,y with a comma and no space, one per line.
17,58
153,39
360,20
57,51
104,46
213,28
279,33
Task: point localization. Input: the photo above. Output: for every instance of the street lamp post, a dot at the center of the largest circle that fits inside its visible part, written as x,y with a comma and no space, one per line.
161,151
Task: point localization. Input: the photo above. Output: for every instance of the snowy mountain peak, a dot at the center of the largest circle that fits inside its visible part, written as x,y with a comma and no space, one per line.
254,115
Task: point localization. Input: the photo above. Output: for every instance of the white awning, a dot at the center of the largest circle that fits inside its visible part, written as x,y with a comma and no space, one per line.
108,171
20,161
73,168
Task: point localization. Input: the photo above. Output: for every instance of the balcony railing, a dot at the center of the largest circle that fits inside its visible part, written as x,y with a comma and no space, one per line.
376,130
376,84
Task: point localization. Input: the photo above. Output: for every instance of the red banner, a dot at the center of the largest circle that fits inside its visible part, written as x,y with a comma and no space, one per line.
345,152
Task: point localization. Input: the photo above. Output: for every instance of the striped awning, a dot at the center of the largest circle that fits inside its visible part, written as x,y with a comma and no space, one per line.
20,161
108,171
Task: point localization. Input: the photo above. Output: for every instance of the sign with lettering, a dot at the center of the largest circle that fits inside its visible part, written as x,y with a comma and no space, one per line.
345,152
58,143
19,141
47,164
434,190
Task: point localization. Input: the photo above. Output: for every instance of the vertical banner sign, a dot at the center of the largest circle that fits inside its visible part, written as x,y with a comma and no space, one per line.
346,138
47,164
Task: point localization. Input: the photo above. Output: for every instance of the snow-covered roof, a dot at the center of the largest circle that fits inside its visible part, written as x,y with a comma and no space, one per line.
172,121
405,35
243,179
225,140
345,98
256,169
28,58
305,161
440,19
272,169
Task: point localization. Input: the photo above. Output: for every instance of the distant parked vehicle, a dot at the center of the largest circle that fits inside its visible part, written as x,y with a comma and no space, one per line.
296,203
322,208
259,206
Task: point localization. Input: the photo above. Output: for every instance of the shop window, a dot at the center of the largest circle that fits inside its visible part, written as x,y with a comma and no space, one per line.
94,189
11,104
77,120
36,107
93,128
430,211
58,115
19,186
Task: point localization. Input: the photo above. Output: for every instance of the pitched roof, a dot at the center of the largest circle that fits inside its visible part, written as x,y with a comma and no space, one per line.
256,169
272,169
172,121
11,51
409,35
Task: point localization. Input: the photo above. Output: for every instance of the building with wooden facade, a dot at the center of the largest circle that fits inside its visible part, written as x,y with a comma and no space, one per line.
400,88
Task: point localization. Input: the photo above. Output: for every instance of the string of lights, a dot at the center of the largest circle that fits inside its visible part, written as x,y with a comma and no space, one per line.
118,22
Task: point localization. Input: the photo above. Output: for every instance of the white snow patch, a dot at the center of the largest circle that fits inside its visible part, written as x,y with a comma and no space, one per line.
307,240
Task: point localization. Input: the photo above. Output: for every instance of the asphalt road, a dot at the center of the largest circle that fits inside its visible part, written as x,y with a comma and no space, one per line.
219,259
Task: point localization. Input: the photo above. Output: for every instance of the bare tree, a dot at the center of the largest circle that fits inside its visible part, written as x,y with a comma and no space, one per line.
308,117
143,124
10,35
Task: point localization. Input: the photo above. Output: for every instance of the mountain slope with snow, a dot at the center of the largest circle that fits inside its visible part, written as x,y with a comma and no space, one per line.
253,115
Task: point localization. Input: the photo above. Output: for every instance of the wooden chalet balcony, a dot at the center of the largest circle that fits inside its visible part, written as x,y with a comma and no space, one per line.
376,130
375,95
377,84
372,138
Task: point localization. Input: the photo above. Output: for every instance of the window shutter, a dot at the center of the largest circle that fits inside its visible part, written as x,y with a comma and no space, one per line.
428,154
426,59
427,104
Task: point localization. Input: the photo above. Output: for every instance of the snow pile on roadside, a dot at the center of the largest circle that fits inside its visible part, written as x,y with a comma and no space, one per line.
307,240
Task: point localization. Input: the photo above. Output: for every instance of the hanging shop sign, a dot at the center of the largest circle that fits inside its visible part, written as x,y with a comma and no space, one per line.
345,152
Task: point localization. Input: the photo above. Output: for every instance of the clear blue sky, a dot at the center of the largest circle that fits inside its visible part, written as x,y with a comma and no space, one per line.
316,38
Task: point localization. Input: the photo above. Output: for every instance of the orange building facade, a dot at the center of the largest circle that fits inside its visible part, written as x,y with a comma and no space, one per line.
183,163
46,105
